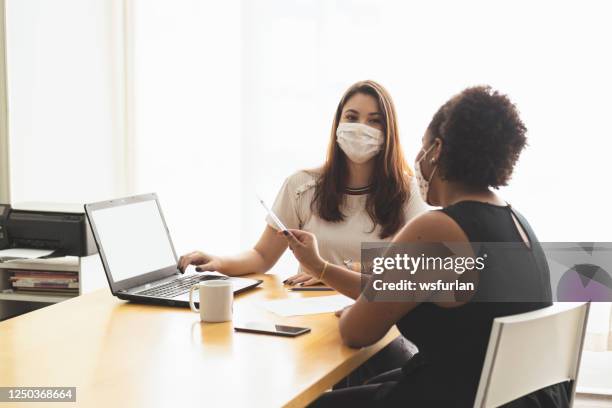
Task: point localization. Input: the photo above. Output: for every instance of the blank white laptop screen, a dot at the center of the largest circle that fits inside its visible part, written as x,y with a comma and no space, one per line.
134,239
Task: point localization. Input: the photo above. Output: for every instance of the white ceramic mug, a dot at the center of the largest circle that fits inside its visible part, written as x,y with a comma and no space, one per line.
216,300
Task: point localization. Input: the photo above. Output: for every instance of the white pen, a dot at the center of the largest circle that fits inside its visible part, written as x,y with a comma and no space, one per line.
276,220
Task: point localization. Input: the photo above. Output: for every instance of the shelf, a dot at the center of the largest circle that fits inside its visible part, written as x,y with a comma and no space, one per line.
63,264
27,297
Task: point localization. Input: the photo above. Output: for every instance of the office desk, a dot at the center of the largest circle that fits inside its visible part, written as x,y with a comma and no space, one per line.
123,354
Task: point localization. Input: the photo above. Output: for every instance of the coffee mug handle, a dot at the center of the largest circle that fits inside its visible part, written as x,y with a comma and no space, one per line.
191,304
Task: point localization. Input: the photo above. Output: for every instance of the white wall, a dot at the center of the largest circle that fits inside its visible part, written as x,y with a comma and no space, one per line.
187,117
548,56
62,100
229,98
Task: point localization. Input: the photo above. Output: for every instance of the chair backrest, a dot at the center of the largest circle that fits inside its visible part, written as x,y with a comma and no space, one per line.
531,351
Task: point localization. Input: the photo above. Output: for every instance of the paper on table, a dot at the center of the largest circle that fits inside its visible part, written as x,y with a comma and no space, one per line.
24,253
307,305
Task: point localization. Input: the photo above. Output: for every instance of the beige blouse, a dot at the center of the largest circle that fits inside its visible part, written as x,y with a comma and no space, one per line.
338,241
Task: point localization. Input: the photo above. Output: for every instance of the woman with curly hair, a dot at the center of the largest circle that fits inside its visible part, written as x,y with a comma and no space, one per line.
469,149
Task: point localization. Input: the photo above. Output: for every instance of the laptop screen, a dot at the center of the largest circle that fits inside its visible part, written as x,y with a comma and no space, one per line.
134,239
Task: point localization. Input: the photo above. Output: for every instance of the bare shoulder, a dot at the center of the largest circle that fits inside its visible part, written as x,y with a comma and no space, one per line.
431,226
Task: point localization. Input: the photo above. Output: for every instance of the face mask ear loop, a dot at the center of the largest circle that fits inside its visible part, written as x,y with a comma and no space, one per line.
426,152
435,168
432,174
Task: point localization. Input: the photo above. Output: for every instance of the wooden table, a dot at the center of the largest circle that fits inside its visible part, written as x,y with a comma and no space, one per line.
123,354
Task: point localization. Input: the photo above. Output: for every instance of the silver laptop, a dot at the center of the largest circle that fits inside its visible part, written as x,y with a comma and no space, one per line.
138,256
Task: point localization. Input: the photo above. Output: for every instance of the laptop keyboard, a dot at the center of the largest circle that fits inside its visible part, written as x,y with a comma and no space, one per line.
178,286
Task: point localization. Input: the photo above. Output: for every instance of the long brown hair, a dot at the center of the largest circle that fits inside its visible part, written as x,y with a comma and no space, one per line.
391,174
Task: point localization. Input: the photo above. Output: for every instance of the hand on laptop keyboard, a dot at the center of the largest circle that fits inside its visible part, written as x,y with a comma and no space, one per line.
203,262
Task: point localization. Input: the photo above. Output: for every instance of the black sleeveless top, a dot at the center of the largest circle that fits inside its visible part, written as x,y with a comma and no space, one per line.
453,342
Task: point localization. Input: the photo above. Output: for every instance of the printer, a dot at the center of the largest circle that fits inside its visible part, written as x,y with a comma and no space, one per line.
59,227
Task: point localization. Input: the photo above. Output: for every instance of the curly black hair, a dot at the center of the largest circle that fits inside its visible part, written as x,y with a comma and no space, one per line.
482,135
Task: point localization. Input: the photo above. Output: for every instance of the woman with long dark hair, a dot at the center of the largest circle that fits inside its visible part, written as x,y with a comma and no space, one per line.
365,192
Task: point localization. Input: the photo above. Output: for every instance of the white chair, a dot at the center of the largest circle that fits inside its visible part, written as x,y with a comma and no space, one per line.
530,351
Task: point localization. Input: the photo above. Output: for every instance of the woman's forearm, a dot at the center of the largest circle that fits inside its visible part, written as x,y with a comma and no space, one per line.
259,259
343,280
250,261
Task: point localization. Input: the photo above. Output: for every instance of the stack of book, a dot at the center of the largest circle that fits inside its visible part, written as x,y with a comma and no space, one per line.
44,282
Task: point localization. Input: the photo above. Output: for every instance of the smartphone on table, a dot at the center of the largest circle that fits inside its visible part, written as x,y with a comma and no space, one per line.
271,328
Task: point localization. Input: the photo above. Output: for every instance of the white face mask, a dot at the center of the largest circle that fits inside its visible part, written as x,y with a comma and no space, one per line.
421,181
358,141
